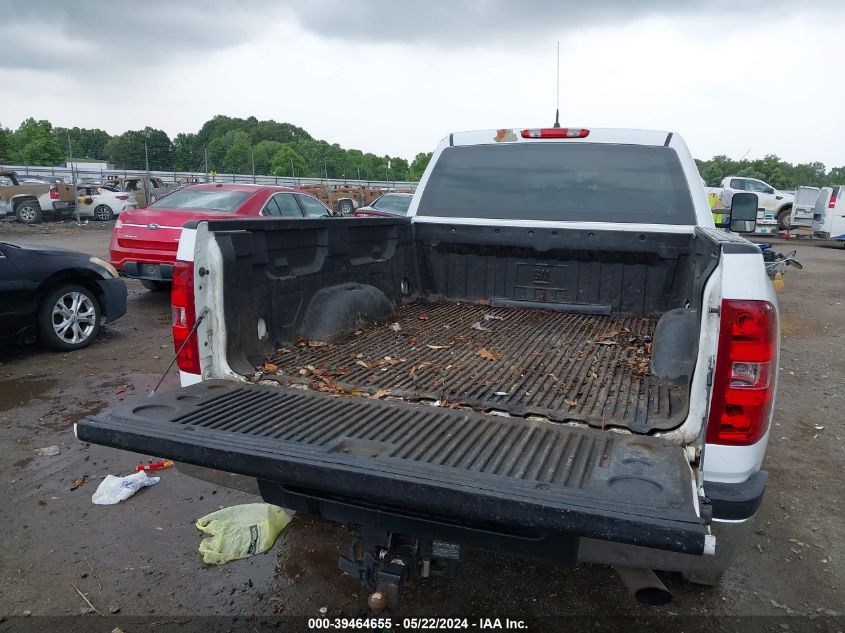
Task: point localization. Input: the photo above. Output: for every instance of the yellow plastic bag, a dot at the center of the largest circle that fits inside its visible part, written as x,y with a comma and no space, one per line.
240,531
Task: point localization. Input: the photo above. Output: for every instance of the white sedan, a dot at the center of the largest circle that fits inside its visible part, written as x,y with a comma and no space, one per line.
102,204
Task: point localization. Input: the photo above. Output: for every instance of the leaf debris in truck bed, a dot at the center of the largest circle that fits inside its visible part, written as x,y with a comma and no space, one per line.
542,360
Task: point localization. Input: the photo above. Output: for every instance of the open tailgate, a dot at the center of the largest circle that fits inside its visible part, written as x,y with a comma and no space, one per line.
506,474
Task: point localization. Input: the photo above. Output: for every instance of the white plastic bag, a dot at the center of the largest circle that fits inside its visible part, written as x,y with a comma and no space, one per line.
115,489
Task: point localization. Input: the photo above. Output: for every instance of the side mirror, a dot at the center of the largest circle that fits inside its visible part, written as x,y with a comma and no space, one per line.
743,216
768,190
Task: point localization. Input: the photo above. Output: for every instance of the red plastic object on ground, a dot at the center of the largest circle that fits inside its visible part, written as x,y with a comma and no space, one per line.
155,465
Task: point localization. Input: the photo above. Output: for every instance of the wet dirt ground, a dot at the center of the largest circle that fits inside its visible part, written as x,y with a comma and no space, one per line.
140,557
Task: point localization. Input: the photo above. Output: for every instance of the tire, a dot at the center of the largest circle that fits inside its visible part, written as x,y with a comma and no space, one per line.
103,213
28,212
68,318
783,218
155,286
345,207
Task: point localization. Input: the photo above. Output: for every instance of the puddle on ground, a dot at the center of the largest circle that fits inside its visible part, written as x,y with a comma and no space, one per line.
20,391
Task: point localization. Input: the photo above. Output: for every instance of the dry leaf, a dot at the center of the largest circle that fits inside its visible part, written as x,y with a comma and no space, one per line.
412,341
284,350
381,393
477,326
270,367
594,375
395,327
438,346
423,317
604,342
493,317
359,332
363,364
317,343
303,371
78,482
571,403
486,353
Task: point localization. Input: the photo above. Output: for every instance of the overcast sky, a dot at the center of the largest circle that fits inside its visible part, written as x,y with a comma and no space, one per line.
394,76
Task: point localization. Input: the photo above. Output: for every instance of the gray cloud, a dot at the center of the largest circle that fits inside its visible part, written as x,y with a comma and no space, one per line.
91,37
457,23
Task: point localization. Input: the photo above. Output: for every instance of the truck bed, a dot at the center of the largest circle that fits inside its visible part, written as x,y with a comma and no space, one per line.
564,367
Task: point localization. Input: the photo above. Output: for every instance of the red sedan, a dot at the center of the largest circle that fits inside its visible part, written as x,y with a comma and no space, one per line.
144,242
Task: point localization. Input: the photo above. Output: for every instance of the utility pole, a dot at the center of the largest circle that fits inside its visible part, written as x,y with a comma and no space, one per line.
326,168
206,163
292,172
146,157
253,166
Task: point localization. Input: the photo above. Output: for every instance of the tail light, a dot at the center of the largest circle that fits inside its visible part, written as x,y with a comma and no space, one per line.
744,380
556,132
832,202
183,314
54,193
123,197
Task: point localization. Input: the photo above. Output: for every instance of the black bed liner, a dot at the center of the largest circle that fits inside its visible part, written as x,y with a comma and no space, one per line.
565,367
453,466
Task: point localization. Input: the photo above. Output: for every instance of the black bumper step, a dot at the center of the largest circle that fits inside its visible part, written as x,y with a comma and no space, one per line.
496,473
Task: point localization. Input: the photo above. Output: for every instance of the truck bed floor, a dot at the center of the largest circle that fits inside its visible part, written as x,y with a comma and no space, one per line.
564,367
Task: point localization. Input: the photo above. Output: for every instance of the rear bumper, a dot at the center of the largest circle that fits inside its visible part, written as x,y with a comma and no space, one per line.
114,298
732,537
737,502
63,209
148,271
129,260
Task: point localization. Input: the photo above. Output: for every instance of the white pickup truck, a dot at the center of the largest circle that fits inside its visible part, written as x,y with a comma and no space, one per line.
773,203
556,356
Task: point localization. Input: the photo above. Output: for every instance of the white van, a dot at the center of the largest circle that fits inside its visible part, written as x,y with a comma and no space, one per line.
804,206
829,214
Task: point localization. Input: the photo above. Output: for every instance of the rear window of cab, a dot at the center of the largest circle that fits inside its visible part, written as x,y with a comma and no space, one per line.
587,182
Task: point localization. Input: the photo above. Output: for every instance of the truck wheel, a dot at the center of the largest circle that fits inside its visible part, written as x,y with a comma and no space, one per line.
155,286
103,213
784,218
28,211
345,207
68,318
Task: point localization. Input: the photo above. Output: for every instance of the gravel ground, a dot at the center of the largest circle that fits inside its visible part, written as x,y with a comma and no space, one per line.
139,558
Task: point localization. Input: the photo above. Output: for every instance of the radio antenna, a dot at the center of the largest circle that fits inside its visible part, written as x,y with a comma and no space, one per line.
557,102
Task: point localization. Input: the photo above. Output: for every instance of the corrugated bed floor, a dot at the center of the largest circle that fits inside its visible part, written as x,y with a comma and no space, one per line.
566,367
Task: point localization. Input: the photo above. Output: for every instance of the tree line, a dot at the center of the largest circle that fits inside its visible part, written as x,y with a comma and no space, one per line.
223,144
779,173
243,146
